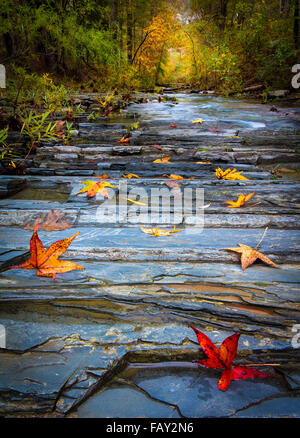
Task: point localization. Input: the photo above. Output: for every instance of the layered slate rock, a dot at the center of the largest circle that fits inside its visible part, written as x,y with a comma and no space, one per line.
82,345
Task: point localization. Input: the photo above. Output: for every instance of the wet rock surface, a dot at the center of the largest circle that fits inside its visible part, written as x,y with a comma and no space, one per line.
82,345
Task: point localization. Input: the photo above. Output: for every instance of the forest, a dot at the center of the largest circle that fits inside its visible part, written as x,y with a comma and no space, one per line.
96,45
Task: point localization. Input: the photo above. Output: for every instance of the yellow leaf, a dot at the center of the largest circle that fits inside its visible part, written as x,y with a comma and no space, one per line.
157,232
162,160
136,202
130,176
230,174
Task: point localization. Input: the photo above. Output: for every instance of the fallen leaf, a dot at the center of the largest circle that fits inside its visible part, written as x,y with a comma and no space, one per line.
92,188
59,128
197,121
157,232
162,160
136,202
242,199
222,358
214,130
50,221
124,140
173,126
229,174
203,162
103,176
250,255
172,176
46,260
99,187
130,176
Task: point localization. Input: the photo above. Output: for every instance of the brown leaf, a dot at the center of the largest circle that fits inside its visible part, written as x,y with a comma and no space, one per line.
250,255
59,128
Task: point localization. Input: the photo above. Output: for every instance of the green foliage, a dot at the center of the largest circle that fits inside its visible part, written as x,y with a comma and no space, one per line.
6,152
37,128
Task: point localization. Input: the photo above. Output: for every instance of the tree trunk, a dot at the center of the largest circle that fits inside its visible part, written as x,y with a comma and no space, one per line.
129,31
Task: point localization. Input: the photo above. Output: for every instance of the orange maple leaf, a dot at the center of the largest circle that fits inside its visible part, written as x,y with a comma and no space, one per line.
173,126
172,176
130,175
124,140
103,176
99,187
46,260
242,199
162,160
92,188
250,255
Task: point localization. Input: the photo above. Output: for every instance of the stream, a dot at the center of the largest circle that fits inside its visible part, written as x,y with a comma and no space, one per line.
113,340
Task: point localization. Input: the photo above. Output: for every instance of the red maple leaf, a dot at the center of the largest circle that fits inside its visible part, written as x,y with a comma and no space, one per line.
222,357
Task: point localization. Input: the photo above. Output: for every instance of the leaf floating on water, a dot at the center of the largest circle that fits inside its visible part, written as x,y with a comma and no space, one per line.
198,121
173,126
203,162
222,358
46,260
230,174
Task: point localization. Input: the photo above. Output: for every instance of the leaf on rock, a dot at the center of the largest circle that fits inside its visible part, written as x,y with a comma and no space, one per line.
157,232
162,160
103,176
229,174
242,199
137,202
46,260
197,121
124,140
173,176
92,188
130,176
250,255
